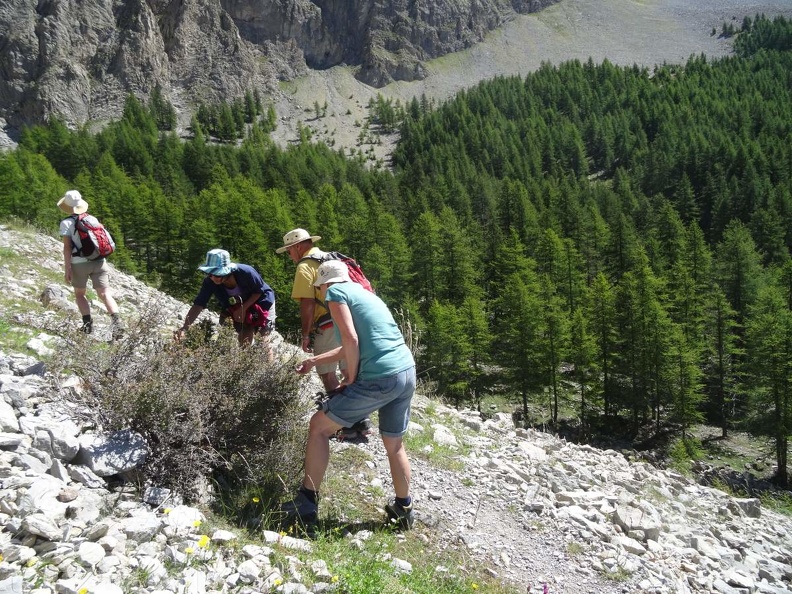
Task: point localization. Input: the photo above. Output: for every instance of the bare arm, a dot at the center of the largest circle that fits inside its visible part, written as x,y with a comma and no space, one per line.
239,315
307,307
350,345
329,357
67,258
192,315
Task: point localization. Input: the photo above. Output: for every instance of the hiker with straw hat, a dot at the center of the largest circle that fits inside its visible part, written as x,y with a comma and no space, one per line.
78,269
316,324
318,335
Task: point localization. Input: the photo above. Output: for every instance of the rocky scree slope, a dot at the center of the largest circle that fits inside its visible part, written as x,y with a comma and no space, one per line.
533,509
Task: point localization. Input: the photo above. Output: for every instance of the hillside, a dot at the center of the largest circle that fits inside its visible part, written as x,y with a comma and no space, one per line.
625,33
499,509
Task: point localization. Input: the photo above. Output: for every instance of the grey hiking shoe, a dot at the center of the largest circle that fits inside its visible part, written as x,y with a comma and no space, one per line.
300,509
116,330
403,517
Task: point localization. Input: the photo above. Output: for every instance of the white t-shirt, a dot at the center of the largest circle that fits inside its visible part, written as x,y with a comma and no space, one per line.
67,230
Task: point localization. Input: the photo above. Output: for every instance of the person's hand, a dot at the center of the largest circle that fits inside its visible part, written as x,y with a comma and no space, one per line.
239,315
68,275
179,334
304,367
306,344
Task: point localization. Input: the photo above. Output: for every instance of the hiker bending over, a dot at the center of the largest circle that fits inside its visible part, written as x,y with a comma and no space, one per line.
78,268
380,375
243,295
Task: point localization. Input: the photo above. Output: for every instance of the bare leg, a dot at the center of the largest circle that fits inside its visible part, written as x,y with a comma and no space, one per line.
317,453
82,301
330,381
107,298
399,465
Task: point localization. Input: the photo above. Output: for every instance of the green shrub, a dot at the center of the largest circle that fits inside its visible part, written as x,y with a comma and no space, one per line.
682,451
205,406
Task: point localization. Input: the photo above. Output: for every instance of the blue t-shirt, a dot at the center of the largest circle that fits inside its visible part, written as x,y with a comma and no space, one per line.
382,349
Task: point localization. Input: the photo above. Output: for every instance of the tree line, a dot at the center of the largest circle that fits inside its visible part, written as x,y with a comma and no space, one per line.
615,239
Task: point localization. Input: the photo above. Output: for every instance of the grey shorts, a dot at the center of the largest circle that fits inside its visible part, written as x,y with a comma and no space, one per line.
391,396
96,270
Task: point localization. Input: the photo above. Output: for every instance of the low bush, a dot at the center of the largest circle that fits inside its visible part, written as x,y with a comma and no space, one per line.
207,408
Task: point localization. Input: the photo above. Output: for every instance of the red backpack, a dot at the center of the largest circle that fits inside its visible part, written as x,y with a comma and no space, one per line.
355,271
93,241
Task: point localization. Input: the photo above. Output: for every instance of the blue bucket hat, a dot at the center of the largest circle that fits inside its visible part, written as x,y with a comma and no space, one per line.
218,263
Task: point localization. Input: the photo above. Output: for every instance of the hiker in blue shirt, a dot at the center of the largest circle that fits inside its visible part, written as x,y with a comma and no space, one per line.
243,296
379,376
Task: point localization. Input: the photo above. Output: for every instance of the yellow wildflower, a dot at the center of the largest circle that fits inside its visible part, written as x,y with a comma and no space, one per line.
334,579
31,562
256,500
277,582
282,533
82,591
203,541
167,510
197,523
474,585
189,550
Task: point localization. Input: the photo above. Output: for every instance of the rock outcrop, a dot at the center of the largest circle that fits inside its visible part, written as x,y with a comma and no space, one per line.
79,59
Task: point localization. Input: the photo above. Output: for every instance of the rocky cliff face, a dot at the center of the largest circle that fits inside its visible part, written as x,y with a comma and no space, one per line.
78,59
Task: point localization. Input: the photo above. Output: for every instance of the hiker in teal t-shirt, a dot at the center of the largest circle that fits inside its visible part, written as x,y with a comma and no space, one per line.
379,376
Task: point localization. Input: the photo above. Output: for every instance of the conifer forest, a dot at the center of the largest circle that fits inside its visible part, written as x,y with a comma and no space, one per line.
608,242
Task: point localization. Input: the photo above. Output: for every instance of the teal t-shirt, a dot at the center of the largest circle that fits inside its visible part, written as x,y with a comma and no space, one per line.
382,348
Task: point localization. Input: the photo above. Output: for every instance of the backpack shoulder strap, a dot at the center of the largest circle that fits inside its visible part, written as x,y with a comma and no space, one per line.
319,257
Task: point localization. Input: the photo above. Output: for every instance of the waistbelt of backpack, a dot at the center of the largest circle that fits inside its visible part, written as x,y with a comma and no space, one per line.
324,322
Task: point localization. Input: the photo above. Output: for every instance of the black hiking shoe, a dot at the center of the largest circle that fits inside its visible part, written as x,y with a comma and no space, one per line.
86,328
402,517
357,433
323,397
300,510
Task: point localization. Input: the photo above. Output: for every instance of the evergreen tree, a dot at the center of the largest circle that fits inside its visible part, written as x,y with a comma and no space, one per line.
582,352
723,358
449,351
738,268
684,378
769,374
518,315
553,339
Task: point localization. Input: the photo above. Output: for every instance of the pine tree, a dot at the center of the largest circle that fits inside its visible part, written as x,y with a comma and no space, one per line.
449,351
769,373
553,339
738,268
582,352
723,358
518,315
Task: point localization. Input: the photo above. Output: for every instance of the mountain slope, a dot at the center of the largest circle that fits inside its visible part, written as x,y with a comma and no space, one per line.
623,32
524,507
